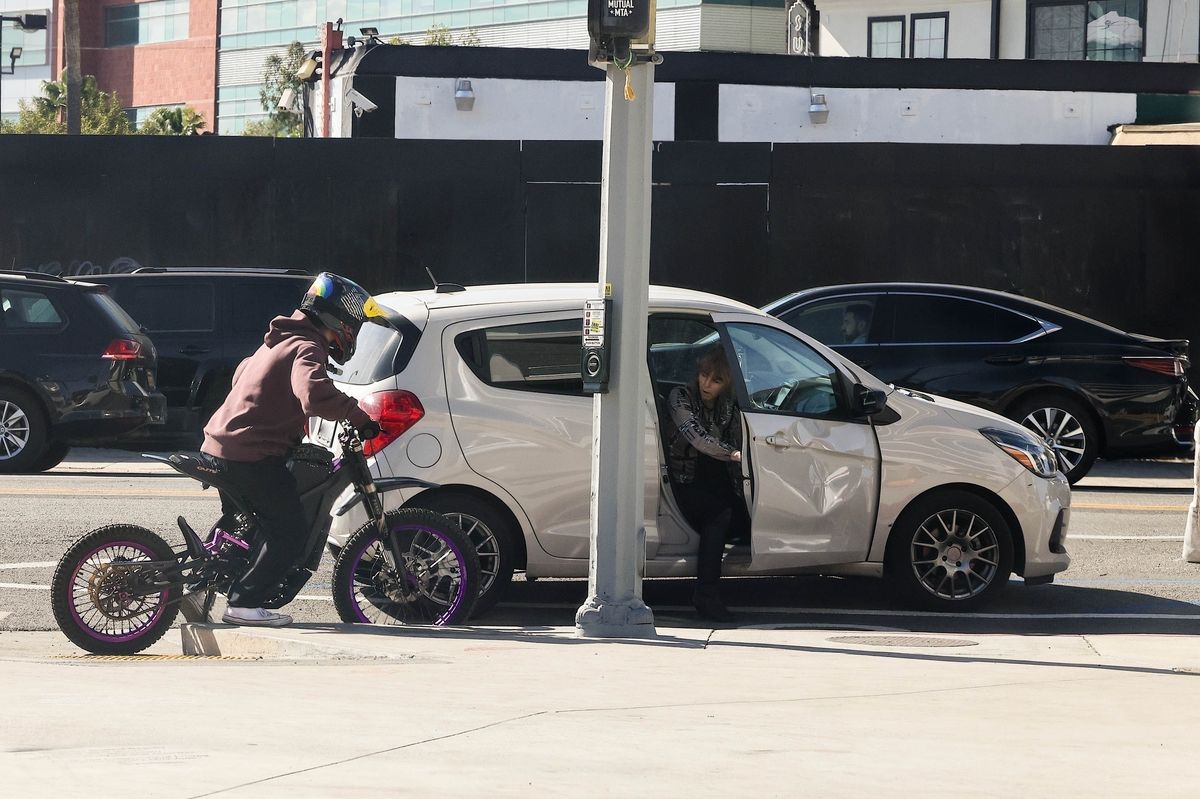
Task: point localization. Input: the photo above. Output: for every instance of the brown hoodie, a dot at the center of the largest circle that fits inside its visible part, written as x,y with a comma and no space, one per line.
274,392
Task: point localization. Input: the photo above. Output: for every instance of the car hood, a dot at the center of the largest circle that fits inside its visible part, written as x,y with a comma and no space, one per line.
966,415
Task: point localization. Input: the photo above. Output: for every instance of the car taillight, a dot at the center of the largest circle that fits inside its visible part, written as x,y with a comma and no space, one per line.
122,349
1171,367
395,411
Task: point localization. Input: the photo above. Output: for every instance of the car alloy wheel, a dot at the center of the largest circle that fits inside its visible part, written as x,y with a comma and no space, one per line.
15,430
955,554
486,546
1063,432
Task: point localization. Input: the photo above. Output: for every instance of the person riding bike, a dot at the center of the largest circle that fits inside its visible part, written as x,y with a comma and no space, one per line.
274,393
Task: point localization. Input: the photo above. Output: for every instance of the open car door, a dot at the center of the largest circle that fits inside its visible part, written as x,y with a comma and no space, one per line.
813,464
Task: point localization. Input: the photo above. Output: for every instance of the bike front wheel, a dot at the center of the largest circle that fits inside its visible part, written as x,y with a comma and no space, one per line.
107,598
423,570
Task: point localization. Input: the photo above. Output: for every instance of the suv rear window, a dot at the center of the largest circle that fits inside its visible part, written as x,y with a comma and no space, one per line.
538,356
29,310
124,322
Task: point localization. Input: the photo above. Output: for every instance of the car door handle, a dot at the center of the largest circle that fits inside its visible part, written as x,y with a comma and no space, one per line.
1001,359
780,441
192,349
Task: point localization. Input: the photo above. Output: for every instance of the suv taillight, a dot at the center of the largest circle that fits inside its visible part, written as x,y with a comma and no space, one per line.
395,411
1171,367
123,349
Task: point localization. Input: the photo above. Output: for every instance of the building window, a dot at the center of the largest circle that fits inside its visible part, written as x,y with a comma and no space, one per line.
33,43
930,35
1107,30
885,37
145,23
138,114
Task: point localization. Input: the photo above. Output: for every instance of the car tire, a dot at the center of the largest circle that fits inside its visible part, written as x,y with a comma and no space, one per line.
54,454
23,431
950,550
1068,427
490,531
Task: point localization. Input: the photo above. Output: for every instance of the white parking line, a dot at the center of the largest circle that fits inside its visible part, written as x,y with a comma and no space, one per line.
1124,537
41,564
25,586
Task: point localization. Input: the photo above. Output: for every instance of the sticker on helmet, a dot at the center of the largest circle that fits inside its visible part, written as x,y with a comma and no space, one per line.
321,287
372,310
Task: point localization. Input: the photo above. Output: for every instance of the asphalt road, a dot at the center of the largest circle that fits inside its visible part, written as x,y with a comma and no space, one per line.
1127,574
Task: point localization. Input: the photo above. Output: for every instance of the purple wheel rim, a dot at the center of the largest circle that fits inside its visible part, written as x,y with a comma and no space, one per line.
459,594
89,629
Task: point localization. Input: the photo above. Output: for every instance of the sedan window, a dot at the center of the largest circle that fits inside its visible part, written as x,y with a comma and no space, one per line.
782,373
838,320
934,319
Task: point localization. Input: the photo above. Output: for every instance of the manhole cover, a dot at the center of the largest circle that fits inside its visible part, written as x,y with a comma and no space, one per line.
901,640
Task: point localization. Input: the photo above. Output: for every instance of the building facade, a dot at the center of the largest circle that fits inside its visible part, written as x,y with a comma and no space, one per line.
1065,30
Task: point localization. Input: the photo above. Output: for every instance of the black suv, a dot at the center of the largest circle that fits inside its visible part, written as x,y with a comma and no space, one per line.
204,321
74,368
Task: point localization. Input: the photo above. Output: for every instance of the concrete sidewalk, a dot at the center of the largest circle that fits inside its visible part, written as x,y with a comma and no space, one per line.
331,711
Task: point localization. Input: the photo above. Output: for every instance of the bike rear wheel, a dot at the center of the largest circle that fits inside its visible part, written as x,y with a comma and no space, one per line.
99,595
438,583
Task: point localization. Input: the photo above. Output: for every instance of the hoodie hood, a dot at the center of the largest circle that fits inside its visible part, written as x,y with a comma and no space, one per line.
298,324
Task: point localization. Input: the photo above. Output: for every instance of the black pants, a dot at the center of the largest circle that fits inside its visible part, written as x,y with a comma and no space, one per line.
270,491
714,511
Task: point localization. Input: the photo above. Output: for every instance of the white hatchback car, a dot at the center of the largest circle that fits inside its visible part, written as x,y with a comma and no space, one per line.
479,391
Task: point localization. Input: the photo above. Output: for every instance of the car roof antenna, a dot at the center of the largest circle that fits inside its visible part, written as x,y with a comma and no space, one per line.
443,288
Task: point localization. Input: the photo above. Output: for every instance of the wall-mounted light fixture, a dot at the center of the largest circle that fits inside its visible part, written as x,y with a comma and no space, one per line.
464,95
13,55
818,109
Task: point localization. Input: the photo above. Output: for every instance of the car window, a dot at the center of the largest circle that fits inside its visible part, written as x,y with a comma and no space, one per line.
782,373
113,311
676,346
168,307
374,356
929,319
257,302
29,310
537,356
838,320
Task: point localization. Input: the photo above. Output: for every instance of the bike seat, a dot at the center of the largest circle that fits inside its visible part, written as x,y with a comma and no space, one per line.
202,467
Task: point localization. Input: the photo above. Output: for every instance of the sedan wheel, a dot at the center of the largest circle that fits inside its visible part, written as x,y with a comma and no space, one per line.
1067,427
950,551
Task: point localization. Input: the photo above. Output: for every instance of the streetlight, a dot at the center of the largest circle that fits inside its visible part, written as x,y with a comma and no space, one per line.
26,22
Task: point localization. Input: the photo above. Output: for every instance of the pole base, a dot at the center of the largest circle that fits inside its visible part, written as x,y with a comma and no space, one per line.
631,618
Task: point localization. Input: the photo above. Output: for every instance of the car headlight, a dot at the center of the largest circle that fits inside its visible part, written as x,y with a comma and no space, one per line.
1025,449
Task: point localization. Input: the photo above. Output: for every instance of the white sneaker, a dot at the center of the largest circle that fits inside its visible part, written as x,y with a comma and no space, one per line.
255,617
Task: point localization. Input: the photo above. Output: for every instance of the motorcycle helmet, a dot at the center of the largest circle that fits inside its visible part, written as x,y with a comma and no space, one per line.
337,303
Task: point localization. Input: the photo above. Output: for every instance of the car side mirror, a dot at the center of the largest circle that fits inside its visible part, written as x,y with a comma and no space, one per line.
869,401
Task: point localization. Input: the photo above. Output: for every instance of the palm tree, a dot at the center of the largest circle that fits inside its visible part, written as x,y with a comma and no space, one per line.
179,121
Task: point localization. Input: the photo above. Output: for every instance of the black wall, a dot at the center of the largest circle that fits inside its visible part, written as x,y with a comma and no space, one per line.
1110,232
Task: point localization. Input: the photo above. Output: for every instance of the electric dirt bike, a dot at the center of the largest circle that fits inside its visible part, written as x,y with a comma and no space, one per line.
119,588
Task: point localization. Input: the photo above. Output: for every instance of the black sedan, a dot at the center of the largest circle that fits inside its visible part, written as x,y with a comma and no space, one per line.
74,368
1091,390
